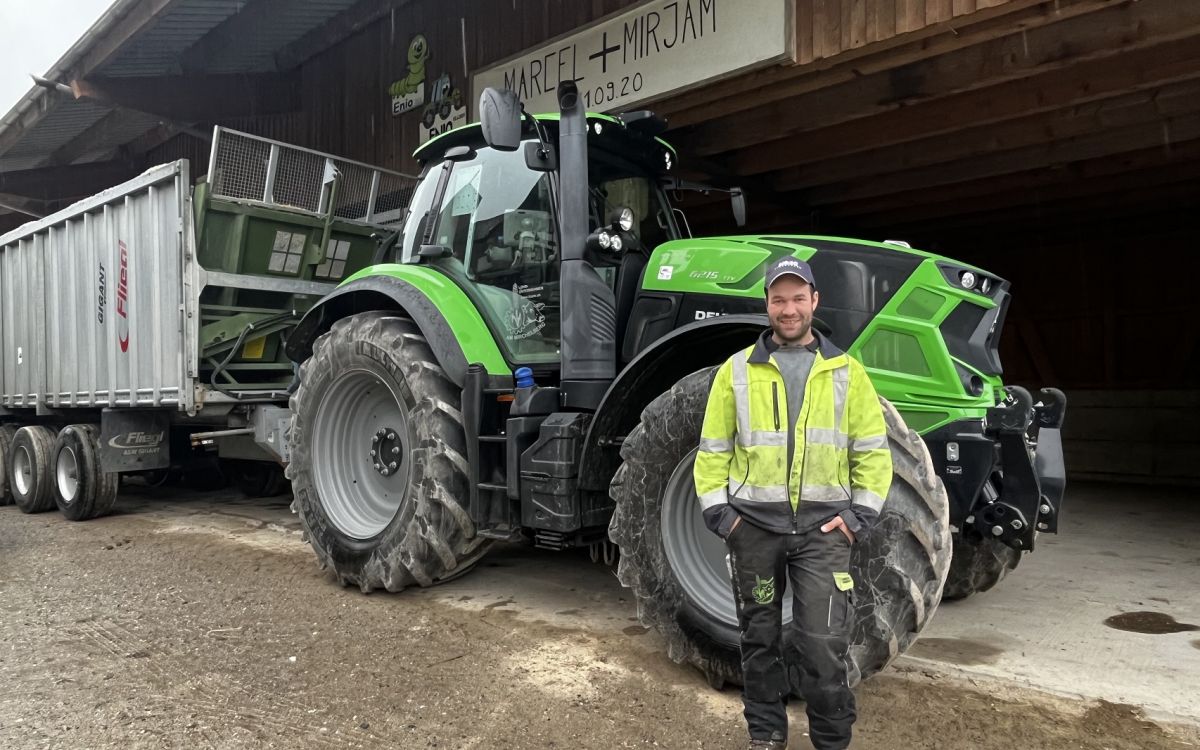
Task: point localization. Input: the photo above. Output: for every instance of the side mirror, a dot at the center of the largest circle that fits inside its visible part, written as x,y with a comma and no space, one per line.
738,198
500,119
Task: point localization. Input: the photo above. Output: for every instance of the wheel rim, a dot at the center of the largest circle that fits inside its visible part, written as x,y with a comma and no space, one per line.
66,472
695,554
23,470
358,422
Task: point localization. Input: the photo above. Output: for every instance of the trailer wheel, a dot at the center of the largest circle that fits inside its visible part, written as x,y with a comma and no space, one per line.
7,432
379,468
977,566
676,567
29,469
255,478
81,490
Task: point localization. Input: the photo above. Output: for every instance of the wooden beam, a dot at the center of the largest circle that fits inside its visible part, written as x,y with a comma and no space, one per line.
1075,85
1074,122
22,205
1105,33
746,92
347,23
51,183
197,97
1091,170
1056,216
1099,190
1108,143
115,123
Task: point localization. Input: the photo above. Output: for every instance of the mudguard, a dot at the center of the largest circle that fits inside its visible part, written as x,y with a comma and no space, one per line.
703,343
447,318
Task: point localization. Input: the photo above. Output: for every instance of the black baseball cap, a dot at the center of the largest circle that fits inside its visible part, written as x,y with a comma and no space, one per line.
789,266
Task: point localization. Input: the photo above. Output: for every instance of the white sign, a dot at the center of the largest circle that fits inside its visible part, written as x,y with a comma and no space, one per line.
439,123
408,102
658,48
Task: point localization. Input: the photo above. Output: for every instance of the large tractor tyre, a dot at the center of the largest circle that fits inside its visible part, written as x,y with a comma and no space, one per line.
379,468
255,478
677,568
7,433
977,566
81,490
30,475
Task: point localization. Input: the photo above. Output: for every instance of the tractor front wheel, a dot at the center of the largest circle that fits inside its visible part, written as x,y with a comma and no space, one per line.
378,465
977,566
676,567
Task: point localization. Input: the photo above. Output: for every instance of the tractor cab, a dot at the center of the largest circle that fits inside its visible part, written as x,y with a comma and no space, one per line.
488,216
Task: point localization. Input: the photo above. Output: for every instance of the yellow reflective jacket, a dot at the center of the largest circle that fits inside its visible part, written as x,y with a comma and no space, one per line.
841,463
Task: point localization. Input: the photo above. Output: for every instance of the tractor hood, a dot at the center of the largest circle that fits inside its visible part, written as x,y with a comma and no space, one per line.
735,266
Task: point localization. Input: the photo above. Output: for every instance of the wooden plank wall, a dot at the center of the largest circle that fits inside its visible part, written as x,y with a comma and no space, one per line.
346,109
826,28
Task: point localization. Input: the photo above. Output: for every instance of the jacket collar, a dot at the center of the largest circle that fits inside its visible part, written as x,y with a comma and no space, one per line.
765,346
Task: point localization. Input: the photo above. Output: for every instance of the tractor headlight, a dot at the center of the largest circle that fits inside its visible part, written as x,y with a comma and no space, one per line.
616,243
625,219
985,286
597,128
605,239
968,280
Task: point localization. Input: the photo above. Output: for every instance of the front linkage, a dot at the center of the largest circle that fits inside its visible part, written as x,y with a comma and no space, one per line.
1030,462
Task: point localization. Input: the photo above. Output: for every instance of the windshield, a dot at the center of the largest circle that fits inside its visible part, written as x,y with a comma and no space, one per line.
497,220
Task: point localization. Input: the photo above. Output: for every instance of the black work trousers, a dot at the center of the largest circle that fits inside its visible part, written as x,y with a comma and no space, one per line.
815,566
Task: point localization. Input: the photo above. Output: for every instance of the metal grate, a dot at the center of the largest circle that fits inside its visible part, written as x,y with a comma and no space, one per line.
246,167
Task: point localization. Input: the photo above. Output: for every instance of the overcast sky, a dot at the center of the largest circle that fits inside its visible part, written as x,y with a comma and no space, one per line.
34,34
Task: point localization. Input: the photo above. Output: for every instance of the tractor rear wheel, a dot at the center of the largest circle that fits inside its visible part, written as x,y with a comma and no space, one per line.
378,465
978,566
677,568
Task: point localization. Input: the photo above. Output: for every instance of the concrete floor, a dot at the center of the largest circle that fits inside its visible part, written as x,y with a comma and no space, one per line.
1120,549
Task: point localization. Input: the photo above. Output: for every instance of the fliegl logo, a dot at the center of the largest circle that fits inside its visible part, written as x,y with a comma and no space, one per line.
123,299
136,443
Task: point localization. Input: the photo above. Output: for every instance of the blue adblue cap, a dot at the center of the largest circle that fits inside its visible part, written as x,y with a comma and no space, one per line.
524,377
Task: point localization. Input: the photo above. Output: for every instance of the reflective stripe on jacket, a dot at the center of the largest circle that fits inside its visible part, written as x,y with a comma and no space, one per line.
841,459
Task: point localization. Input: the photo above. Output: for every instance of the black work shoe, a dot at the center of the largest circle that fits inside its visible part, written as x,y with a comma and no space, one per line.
777,742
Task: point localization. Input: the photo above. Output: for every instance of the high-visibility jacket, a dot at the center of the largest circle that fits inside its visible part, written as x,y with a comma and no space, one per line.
841,459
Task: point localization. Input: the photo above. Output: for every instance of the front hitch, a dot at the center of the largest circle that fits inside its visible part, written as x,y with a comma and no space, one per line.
1033,475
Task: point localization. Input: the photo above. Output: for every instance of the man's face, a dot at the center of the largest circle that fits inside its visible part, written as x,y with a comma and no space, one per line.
790,305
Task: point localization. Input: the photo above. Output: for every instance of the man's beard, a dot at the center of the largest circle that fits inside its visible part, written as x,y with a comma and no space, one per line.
800,335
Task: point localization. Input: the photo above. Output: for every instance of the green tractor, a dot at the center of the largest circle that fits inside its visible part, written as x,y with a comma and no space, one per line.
530,360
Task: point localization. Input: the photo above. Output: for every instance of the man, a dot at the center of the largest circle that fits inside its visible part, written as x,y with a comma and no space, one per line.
793,467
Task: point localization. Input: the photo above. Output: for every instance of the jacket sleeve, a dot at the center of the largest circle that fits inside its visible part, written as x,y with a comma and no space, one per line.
870,457
715,453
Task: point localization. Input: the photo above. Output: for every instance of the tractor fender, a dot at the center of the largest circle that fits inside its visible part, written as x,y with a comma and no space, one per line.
447,318
703,343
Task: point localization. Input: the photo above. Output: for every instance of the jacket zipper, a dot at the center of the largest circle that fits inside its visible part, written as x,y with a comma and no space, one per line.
775,402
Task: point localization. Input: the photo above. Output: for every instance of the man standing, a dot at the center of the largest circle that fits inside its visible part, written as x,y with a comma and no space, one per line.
793,466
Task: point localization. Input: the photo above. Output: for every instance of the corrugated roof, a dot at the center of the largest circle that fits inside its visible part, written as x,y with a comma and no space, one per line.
157,49
154,50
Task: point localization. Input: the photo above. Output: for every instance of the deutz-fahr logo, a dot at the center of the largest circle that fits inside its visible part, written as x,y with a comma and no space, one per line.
123,299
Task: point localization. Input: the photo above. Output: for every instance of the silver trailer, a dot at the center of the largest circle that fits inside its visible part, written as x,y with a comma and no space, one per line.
144,326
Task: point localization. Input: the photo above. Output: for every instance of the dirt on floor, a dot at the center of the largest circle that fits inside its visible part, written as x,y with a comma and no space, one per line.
150,629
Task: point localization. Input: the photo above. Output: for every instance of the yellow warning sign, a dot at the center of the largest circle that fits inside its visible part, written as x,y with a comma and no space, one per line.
254,348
